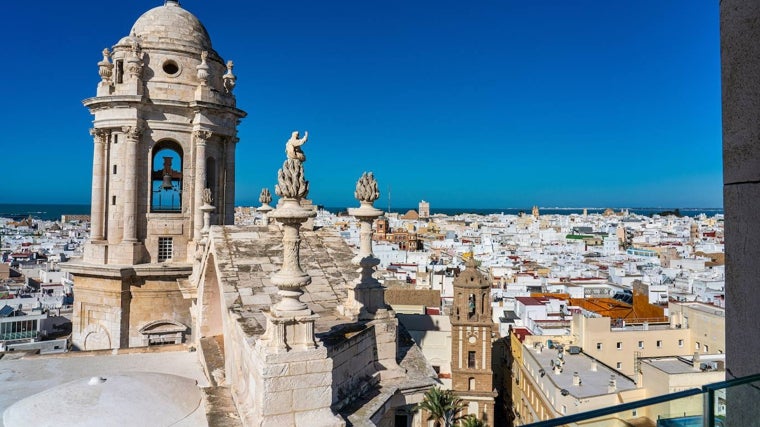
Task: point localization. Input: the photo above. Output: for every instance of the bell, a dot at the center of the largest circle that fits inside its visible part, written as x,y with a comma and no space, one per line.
167,183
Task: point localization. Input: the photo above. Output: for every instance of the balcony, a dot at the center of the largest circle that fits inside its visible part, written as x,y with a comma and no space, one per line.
696,407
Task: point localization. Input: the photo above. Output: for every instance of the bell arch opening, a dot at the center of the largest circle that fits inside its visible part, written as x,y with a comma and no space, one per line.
166,177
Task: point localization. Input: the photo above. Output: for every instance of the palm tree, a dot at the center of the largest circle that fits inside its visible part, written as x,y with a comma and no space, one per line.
442,406
471,421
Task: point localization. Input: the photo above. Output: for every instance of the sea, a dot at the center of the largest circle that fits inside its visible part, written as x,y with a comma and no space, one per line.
53,212
692,212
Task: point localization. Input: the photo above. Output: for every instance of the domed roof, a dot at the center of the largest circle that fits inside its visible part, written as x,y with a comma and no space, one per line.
170,24
133,399
471,277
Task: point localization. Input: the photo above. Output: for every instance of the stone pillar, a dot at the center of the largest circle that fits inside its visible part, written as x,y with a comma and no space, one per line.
229,183
293,371
132,134
97,217
201,137
740,62
367,296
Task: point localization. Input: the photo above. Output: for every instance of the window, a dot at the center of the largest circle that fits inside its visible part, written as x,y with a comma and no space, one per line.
598,346
619,345
437,369
471,359
641,344
471,384
113,200
619,365
119,68
659,343
170,67
165,249
707,348
680,343
114,169
696,346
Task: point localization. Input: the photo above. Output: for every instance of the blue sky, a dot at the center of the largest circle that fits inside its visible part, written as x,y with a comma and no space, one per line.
482,104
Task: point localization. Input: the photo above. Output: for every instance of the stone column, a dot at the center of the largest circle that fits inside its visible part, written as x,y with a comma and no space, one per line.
97,217
201,137
265,198
367,296
740,62
132,134
229,183
291,323
300,383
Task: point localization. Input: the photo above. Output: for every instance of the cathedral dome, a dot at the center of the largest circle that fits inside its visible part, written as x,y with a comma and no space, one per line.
170,24
129,399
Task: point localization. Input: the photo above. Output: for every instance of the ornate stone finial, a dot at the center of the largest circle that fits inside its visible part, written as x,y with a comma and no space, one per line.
365,299
135,47
265,197
105,67
291,182
203,69
134,61
293,147
229,79
206,196
366,189
292,187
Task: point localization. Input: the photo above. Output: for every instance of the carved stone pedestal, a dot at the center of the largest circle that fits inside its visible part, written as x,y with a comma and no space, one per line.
286,333
294,389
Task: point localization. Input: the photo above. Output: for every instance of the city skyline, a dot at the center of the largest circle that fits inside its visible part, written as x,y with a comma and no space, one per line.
485,106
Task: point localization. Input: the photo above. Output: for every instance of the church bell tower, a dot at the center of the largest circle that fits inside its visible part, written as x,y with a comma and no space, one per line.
164,133
471,345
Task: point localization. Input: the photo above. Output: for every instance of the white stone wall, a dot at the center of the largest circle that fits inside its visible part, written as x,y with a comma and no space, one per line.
354,366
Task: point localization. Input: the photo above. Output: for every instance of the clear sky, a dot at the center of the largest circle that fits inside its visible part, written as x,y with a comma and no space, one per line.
481,104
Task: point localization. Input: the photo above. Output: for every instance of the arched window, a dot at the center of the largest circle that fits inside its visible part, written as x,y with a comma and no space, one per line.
166,177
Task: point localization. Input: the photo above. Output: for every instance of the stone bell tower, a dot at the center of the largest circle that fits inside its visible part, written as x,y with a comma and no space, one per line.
164,154
471,329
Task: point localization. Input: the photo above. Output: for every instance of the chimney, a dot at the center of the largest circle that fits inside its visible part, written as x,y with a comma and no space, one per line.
576,379
612,386
594,365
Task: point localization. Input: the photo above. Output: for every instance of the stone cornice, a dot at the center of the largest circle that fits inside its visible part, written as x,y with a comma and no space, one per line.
123,271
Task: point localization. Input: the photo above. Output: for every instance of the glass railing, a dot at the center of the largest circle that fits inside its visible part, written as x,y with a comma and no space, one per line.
735,402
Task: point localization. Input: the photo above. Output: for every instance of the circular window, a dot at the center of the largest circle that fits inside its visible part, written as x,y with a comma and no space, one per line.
171,68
